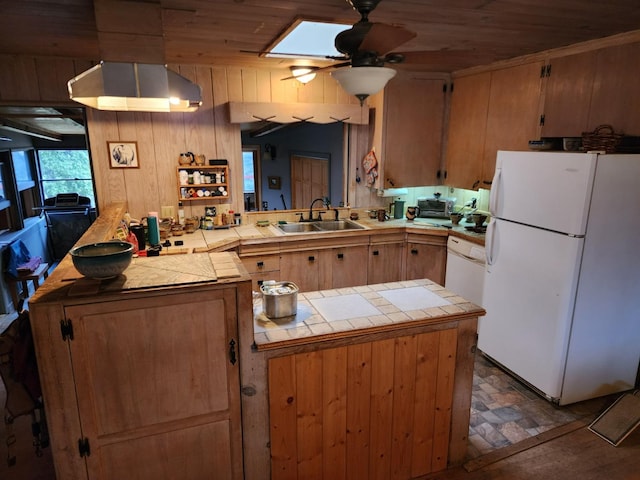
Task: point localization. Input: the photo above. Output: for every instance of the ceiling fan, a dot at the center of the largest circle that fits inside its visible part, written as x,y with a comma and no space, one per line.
366,44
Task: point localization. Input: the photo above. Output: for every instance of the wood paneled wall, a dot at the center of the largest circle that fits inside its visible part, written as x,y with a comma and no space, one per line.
161,137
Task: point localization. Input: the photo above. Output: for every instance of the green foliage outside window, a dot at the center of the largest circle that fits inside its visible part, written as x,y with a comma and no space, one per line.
66,171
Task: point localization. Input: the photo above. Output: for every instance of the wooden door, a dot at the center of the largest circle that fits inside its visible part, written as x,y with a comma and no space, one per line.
309,180
379,410
467,129
426,261
567,94
513,117
158,394
349,266
385,263
301,268
413,122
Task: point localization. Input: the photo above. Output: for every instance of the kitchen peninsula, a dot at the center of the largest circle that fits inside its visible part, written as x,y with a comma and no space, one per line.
147,380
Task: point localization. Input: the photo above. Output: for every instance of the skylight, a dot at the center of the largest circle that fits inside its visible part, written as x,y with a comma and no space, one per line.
309,39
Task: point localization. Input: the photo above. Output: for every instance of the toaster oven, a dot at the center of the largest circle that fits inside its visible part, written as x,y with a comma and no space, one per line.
435,207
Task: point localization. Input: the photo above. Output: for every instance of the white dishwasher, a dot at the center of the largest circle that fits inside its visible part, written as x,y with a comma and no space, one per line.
465,269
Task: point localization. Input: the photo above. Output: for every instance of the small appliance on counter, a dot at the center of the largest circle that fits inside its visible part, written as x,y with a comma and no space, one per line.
436,206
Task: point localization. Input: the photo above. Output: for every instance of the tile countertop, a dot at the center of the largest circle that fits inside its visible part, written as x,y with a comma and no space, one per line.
345,312
221,239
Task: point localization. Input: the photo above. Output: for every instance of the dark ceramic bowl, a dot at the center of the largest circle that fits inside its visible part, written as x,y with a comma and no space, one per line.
103,259
478,219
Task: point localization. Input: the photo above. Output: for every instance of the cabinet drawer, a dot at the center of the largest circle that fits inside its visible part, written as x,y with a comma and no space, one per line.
264,263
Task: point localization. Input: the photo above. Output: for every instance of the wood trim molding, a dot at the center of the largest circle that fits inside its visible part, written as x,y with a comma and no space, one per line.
323,113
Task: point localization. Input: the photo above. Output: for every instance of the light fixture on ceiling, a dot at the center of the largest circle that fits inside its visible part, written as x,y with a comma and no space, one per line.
135,87
303,74
363,81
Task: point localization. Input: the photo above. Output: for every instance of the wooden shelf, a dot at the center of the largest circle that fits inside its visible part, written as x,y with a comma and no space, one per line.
216,185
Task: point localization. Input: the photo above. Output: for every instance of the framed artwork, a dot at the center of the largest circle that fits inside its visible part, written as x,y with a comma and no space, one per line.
123,154
274,183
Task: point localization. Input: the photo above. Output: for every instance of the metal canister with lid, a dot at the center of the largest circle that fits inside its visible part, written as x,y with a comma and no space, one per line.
279,299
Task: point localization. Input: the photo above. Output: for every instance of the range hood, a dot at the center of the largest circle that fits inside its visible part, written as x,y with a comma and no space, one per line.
135,87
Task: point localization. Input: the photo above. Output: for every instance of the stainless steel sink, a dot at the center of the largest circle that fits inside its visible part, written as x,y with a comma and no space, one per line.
337,225
319,226
298,227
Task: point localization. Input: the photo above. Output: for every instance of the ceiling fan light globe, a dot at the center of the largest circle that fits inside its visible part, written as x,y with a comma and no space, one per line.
304,74
363,81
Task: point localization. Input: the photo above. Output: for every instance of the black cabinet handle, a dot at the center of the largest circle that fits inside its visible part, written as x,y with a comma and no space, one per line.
414,251
341,256
260,264
232,352
311,258
376,252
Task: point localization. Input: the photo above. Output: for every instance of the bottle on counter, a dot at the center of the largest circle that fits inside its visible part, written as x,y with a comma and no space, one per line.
154,228
180,213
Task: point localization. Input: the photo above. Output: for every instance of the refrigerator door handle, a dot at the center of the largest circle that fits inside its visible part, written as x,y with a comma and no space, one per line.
494,193
489,242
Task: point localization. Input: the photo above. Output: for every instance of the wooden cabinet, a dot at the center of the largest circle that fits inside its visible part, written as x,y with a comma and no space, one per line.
261,268
491,111
385,258
203,183
567,94
144,384
376,410
616,96
467,129
301,268
513,117
347,266
426,257
413,118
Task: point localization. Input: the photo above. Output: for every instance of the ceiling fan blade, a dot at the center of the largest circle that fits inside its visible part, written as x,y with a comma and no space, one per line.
382,38
329,67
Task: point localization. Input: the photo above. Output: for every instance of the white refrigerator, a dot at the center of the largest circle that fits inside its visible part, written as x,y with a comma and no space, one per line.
562,280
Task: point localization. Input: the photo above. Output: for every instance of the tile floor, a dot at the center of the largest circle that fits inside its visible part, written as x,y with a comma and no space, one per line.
504,411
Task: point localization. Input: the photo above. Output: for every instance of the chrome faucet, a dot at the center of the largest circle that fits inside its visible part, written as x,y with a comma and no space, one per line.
325,202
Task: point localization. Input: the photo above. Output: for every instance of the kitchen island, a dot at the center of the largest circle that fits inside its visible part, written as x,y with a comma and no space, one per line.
364,382
171,371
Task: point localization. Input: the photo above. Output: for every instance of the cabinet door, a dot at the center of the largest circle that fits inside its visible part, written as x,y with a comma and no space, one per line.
413,122
376,410
158,394
467,128
616,96
261,268
514,116
426,261
568,95
301,268
349,266
385,263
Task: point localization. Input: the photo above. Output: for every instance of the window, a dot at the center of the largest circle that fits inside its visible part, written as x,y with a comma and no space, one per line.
251,172
66,171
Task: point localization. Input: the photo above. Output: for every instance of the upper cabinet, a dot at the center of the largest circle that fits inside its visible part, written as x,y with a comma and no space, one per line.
568,85
615,99
467,127
491,111
412,123
513,116
593,88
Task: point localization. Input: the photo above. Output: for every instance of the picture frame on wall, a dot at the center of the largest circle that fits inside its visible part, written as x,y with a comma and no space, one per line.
274,183
123,154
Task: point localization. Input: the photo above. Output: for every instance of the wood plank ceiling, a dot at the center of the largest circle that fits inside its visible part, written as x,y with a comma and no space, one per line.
223,31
